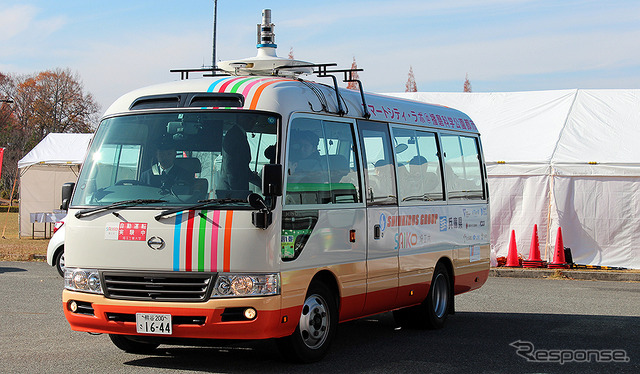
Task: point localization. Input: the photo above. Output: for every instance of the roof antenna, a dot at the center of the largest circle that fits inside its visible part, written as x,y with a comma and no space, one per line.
266,36
266,61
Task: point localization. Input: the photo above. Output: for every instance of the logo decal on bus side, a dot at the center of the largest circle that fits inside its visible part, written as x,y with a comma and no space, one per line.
443,223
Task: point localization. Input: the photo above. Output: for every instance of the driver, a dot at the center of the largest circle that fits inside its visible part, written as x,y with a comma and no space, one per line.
165,173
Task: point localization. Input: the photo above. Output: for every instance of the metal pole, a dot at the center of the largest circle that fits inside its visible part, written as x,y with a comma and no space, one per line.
215,16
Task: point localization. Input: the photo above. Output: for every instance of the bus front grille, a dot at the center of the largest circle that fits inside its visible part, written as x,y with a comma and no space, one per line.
157,286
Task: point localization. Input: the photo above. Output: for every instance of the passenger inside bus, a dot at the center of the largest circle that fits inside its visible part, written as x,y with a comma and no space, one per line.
381,185
305,163
235,172
421,181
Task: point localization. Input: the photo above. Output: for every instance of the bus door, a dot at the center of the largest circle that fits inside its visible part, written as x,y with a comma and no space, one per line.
382,210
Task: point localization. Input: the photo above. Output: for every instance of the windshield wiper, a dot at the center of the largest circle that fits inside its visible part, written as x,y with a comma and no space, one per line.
90,211
201,204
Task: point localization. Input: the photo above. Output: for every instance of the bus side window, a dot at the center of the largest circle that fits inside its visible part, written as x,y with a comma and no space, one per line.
419,172
319,168
378,158
462,167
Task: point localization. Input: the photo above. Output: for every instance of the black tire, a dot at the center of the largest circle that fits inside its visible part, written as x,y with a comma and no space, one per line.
433,311
439,298
318,322
129,345
58,261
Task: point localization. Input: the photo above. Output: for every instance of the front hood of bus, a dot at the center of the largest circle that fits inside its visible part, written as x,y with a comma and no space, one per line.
192,240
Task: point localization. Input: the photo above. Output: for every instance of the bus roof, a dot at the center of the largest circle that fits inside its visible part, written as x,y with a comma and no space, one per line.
286,96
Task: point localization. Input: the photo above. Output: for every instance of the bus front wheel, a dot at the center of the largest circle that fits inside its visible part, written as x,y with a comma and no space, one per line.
316,329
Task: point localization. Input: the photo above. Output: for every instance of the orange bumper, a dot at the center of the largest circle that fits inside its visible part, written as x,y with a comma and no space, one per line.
208,320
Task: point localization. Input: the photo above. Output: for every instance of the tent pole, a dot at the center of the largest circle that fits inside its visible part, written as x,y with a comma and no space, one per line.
10,203
551,186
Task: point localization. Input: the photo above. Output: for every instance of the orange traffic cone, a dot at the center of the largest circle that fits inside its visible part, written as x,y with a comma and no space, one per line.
534,260
512,256
558,256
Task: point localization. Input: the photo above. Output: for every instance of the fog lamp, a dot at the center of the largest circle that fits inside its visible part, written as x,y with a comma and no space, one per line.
250,313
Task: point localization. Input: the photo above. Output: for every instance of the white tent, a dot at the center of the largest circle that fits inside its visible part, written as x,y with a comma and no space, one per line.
567,158
54,161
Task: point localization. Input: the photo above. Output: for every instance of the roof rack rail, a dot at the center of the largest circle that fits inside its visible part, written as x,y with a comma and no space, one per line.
323,72
184,73
348,77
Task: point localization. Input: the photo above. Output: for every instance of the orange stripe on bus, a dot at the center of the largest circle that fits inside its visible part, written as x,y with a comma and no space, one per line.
226,266
256,95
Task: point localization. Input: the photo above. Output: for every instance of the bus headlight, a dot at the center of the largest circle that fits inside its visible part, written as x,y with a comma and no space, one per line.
84,280
239,285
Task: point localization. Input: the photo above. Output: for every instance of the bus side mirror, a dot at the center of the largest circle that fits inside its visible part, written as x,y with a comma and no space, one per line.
263,218
67,191
272,180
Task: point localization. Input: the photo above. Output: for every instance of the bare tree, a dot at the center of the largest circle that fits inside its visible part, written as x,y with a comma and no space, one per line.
51,101
62,105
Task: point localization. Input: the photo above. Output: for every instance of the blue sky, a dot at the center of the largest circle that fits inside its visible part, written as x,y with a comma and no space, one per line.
503,45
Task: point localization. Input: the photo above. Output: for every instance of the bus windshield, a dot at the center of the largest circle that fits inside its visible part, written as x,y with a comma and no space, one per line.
177,158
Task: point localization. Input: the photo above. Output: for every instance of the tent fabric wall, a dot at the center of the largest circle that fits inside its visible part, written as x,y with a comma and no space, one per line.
51,163
564,158
41,191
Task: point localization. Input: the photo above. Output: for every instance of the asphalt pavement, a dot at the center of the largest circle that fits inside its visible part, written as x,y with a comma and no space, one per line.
509,325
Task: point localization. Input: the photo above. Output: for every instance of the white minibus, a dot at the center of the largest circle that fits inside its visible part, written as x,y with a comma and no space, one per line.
263,204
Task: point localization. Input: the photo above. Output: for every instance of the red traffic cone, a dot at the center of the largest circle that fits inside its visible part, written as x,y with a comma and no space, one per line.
558,256
534,260
512,256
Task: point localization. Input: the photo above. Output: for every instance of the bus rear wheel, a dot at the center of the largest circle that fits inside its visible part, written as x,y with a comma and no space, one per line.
318,321
433,312
130,345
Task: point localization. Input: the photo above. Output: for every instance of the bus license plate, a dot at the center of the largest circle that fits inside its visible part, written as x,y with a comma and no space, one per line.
151,323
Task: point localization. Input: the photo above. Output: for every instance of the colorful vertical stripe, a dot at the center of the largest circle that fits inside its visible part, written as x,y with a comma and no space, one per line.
214,240
189,242
202,241
227,242
176,242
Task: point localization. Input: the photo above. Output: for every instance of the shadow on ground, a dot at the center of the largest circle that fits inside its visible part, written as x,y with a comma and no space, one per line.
470,343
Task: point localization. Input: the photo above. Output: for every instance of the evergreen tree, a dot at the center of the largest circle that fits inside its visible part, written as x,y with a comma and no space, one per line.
411,85
467,84
354,75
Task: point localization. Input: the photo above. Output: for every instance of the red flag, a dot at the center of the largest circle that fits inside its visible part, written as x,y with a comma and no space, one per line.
1,153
